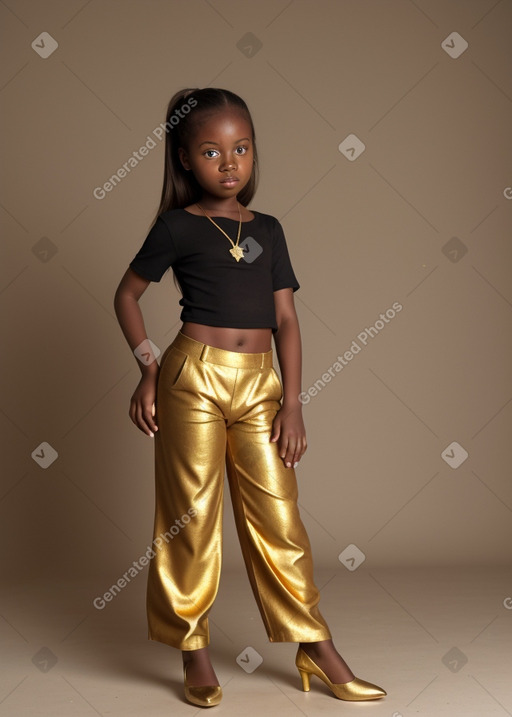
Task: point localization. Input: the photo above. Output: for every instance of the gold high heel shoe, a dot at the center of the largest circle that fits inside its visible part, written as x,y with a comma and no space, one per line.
208,696
356,689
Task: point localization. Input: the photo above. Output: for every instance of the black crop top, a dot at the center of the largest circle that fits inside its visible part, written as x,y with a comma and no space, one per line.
218,290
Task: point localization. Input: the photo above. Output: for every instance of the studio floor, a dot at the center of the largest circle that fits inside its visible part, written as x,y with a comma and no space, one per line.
438,640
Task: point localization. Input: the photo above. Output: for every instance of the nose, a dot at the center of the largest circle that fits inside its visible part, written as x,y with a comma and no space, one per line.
228,164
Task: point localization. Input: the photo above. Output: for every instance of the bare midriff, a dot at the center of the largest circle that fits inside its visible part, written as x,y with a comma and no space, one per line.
229,339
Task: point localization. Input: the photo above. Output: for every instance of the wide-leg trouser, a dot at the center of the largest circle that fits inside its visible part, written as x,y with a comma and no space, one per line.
214,411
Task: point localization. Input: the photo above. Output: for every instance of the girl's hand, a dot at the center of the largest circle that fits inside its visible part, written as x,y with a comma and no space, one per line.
288,428
142,404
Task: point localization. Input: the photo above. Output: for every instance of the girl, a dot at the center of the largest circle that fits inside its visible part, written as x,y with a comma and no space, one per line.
216,403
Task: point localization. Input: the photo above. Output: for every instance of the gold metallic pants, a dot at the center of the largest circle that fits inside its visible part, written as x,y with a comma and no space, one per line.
214,410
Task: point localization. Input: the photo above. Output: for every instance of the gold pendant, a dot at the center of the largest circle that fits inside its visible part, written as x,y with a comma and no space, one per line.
237,252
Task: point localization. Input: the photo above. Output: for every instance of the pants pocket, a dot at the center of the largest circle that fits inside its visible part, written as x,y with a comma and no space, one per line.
172,368
277,383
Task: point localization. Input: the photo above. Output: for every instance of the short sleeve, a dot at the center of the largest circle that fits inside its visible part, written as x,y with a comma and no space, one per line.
282,272
156,254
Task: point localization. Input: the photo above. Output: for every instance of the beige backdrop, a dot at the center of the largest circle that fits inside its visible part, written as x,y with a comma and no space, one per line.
381,127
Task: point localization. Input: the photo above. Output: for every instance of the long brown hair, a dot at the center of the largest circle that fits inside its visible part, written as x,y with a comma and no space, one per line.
185,108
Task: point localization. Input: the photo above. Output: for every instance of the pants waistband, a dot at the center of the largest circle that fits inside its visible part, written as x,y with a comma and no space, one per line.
213,354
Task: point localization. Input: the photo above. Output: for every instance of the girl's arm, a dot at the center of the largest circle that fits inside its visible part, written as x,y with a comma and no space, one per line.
288,425
129,315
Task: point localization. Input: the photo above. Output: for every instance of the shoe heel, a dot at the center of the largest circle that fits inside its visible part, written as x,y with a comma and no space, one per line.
305,680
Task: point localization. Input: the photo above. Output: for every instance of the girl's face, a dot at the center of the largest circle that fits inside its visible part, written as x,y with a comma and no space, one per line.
220,154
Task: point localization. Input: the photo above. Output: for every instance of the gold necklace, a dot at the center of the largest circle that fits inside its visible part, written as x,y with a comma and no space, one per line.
235,250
